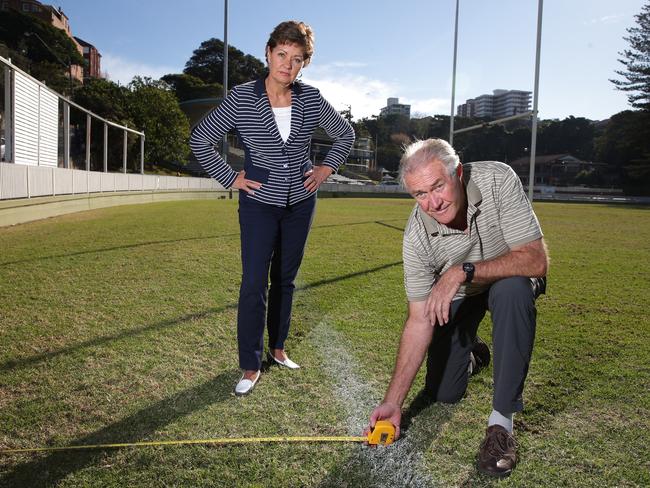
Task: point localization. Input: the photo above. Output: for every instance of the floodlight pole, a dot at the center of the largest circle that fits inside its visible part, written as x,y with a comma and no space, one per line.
225,71
453,81
533,130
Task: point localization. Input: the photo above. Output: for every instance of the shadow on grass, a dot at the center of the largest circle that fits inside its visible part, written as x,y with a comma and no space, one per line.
363,222
100,341
54,467
170,241
397,465
115,248
554,392
401,229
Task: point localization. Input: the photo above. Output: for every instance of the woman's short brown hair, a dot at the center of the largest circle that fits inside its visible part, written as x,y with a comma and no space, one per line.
293,32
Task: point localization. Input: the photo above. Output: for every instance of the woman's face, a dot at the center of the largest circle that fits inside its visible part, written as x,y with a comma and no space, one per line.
285,62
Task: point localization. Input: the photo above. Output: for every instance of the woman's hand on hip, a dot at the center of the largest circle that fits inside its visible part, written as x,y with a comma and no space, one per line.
249,186
316,176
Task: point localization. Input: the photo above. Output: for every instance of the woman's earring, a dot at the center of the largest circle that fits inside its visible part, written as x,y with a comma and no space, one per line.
299,75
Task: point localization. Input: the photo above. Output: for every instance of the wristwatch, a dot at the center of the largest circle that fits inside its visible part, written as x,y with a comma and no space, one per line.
468,268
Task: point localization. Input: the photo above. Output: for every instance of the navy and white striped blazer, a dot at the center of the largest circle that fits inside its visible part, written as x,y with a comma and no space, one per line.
278,165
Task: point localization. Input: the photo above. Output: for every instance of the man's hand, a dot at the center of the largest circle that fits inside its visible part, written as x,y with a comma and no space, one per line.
249,186
413,346
439,302
316,176
385,411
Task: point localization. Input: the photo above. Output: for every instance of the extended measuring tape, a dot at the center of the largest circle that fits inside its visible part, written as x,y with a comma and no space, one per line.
383,433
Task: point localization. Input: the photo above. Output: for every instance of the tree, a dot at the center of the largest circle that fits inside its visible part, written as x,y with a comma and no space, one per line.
625,146
381,131
347,113
484,144
421,127
188,87
105,98
637,62
145,105
573,135
108,100
154,110
40,49
503,142
206,63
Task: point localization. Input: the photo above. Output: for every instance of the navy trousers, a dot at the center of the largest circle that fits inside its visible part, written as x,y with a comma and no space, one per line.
271,238
511,302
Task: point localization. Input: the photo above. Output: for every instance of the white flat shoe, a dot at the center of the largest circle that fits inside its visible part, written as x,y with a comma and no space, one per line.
245,386
287,363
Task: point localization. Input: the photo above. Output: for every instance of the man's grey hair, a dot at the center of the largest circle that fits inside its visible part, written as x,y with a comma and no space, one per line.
420,153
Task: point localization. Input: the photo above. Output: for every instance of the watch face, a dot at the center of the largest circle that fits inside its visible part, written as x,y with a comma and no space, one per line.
468,268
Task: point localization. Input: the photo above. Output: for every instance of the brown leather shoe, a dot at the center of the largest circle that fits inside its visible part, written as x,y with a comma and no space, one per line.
497,455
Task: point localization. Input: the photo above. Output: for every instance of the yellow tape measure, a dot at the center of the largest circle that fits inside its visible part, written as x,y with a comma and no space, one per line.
383,433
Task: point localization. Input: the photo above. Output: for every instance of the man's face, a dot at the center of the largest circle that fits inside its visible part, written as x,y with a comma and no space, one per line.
438,193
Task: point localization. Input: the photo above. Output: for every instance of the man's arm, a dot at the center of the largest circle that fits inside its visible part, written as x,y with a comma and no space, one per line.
530,259
413,346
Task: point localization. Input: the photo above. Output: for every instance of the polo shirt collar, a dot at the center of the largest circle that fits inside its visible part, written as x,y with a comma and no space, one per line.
474,197
432,227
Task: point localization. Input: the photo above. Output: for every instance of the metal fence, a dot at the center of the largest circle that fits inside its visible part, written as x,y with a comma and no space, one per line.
53,146
36,122
37,131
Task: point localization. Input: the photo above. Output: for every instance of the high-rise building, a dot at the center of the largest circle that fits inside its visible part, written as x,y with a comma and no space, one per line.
394,107
502,103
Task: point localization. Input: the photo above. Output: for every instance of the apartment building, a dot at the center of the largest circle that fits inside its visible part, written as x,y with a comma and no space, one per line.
93,59
502,103
394,107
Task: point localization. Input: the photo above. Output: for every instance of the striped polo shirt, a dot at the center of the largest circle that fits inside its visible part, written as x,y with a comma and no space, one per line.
499,217
268,159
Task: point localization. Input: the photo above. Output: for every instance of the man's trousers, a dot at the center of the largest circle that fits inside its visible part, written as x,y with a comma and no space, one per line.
511,302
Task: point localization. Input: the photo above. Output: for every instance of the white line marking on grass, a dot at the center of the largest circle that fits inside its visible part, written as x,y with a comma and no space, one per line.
398,465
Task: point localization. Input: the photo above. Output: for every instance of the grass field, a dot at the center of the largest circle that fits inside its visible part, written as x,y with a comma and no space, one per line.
117,325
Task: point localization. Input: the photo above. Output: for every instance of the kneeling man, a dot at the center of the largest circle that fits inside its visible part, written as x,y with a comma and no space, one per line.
472,243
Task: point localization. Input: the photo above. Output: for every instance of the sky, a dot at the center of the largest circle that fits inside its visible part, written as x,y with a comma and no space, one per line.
369,50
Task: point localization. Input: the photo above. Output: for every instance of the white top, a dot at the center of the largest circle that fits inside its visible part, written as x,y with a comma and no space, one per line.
283,121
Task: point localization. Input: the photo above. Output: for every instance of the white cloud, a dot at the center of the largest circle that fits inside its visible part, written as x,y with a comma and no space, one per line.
337,82
607,19
123,70
428,106
348,64
365,95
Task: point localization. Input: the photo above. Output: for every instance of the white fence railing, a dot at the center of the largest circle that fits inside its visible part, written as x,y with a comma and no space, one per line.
32,124
24,181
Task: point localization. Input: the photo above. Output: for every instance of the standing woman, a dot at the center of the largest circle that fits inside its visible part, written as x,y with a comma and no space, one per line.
274,118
